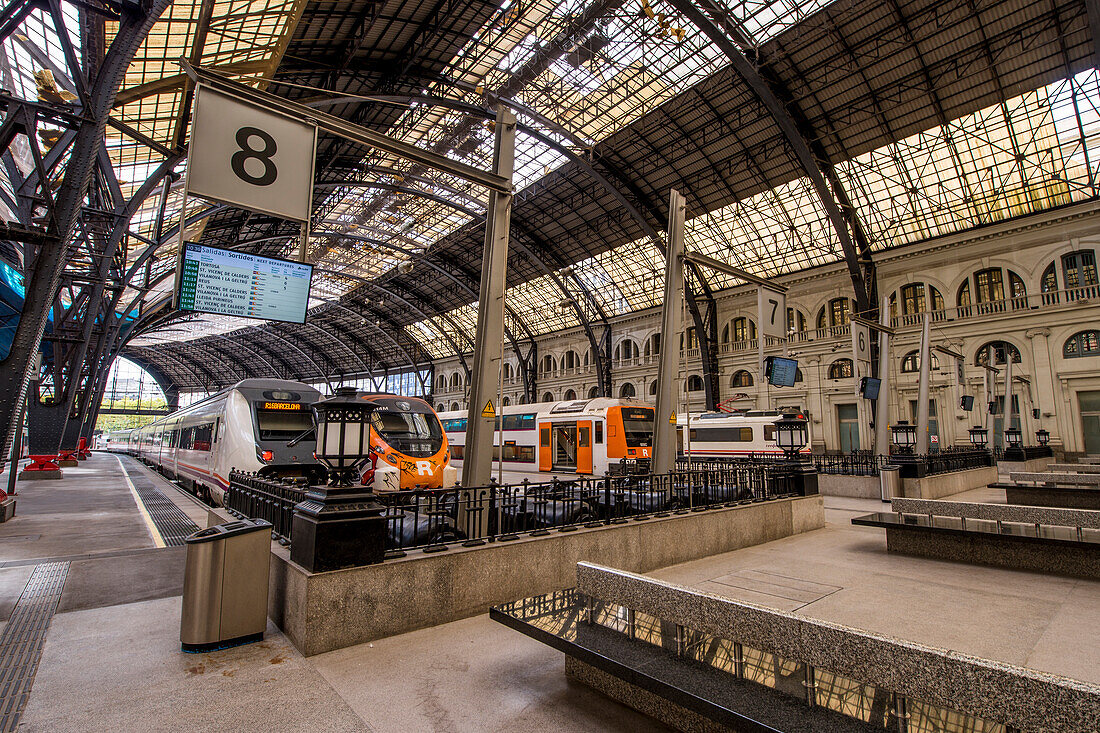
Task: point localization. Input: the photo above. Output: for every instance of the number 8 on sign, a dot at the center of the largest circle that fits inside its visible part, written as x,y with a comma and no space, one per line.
247,152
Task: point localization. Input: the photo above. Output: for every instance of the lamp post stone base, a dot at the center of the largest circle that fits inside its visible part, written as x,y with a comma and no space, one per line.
337,527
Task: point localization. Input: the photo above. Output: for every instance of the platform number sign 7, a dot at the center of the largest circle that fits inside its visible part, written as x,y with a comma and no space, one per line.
249,156
772,312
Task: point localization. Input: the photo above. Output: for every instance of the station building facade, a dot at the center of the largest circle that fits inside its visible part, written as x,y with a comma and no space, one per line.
1025,289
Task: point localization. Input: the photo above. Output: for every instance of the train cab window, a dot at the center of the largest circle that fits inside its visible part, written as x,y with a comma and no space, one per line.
416,434
769,433
599,432
282,424
544,437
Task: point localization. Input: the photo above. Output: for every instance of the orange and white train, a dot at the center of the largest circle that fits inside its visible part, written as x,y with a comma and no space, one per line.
578,436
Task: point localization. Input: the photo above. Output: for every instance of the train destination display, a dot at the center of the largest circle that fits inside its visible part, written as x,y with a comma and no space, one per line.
225,282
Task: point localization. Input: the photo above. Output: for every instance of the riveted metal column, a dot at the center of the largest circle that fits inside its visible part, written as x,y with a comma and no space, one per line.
922,387
882,405
477,465
664,432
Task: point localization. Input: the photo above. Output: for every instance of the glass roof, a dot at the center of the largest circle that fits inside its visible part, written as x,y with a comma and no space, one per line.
1034,152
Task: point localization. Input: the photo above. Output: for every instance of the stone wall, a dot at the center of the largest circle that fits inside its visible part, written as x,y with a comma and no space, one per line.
940,485
320,612
858,487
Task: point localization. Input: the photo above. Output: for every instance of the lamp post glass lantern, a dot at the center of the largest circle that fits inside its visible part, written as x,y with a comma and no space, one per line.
1042,435
904,435
978,436
343,434
1013,437
791,434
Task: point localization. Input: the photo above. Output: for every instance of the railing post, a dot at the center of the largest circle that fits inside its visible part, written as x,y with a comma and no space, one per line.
811,686
607,498
738,660
901,713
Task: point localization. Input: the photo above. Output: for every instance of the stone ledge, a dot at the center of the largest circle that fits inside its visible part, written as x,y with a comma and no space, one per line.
320,612
1024,698
939,485
1000,512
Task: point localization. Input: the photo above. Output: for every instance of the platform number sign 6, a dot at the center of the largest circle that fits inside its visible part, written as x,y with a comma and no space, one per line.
772,306
250,156
246,153
861,343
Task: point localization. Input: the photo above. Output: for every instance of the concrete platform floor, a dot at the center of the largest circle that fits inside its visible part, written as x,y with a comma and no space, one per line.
111,659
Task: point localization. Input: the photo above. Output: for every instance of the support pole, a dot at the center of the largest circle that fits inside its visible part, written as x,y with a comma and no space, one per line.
17,449
477,466
882,405
1007,422
922,389
664,429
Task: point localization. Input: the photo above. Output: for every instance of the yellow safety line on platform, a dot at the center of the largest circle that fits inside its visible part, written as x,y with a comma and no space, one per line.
153,531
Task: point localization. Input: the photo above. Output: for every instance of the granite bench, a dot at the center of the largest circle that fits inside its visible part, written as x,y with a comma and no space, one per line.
702,662
1074,467
1050,478
1042,548
1085,518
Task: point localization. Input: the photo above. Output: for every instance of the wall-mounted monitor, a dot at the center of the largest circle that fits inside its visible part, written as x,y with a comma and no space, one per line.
967,402
869,387
781,372
230,283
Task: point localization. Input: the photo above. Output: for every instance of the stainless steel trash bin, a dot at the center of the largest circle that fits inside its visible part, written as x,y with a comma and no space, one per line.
889,478
225,585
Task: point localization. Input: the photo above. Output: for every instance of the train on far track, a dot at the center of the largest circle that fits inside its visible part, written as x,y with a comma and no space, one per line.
248,427
577,436
730,434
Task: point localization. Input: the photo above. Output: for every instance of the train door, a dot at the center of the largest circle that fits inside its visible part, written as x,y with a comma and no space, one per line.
584,446
546,456
565,447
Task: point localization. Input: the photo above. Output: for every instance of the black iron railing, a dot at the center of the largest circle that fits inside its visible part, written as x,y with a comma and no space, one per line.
957,459
431,519
257,497
855,464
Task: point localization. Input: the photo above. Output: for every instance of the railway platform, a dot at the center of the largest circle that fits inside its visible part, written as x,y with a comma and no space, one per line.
91,575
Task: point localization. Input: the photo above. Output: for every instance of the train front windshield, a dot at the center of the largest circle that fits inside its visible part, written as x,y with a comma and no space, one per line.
638,426
282,424
416,434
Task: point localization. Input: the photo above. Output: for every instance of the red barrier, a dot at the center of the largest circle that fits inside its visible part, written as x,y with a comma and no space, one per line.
82,451
43,463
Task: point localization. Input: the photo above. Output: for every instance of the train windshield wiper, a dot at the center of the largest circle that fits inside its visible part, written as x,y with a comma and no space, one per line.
301,437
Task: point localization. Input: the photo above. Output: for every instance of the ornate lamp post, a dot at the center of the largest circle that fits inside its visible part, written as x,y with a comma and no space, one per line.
1042,436
904,436
979,436
794,476
340,525
791,435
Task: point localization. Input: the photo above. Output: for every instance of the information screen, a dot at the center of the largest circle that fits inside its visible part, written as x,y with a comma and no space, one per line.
782,372
230,283
870,387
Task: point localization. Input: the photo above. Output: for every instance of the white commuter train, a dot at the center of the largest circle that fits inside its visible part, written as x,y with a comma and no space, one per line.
731,435
244,427
578,436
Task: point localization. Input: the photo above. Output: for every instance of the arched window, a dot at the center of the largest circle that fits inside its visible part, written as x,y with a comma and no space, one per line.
505,402
652,389
548,364
835,313
508,371
996,352
587,357
626,350
841,369
571,360
653,345
741,378
743,329
569,395
910,363
593,393
692,340
989,285
797,375
547,396
695,383
441,383
963,296
1049,281
523,399
626,390
454,406
1083,343
456,381
440,407
796,321
914,299
1079,268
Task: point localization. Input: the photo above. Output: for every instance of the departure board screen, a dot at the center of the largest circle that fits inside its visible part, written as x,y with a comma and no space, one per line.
781,372
230,283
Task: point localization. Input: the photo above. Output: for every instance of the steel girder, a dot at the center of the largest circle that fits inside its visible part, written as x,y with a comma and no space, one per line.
44,271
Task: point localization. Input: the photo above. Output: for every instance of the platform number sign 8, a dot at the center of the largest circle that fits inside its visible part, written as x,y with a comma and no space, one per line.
250,156
247,152
772,307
